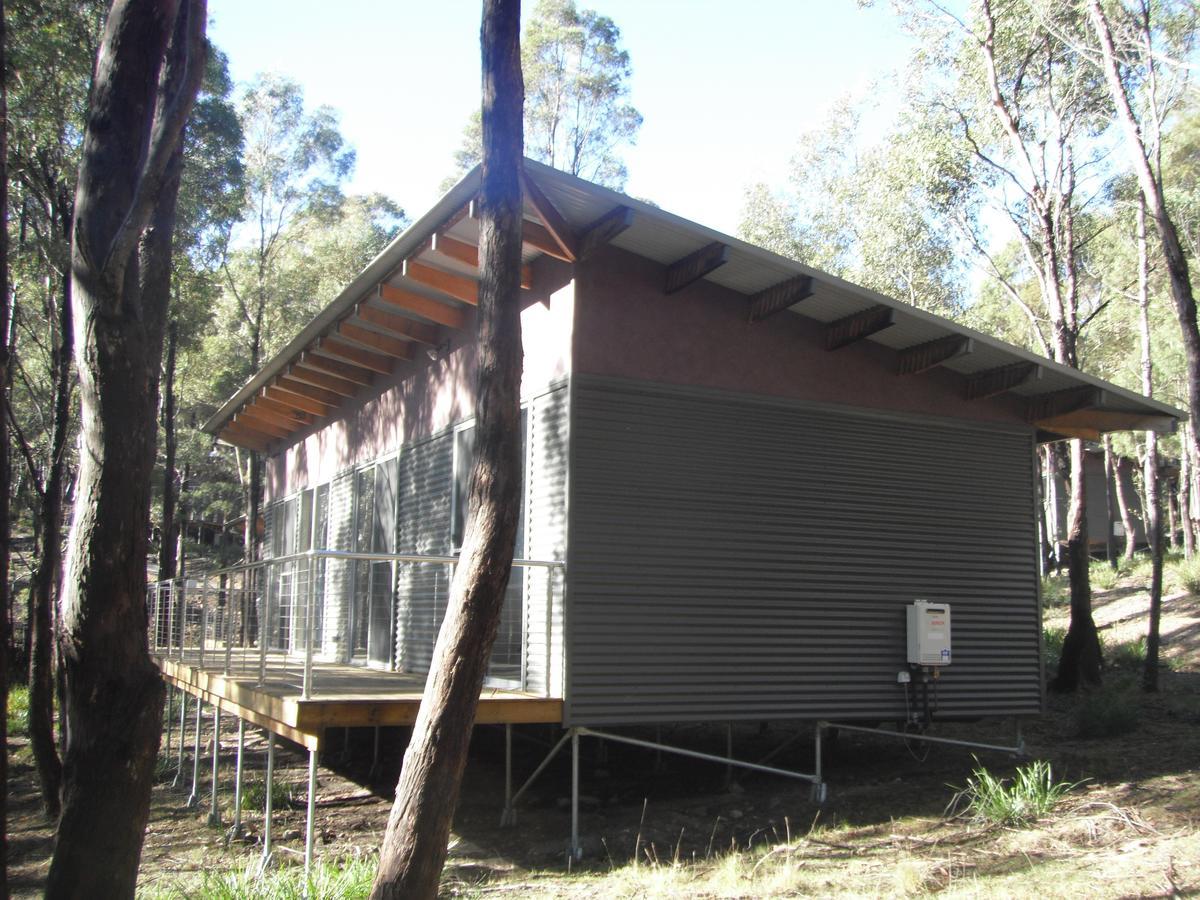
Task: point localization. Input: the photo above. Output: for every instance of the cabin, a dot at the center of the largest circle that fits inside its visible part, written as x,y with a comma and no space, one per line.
740,473
748,467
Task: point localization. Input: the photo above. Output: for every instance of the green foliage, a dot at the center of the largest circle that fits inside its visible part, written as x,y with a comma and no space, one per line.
577,113
1127,655
1056,591
254,795
1030,795
18,710
343,880
1108,711
866,213
1103,576
1052,646
1186,574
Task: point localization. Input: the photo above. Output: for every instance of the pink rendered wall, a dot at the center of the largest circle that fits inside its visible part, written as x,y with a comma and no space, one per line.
625,326
427,396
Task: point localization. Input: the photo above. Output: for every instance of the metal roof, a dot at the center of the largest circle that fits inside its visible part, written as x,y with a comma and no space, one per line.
420,285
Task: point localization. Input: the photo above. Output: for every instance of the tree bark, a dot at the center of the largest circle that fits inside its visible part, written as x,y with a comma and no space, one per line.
1128,523
414,847
166,548
1110,473
5,468
1150,183
1184,497
148,71
44,589
1153,511
1081,658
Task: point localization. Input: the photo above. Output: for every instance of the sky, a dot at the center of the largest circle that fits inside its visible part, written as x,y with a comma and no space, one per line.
725,89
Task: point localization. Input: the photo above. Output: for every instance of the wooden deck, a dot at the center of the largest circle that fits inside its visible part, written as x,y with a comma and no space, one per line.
342,696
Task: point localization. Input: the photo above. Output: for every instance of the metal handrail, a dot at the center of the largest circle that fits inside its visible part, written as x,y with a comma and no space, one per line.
228,616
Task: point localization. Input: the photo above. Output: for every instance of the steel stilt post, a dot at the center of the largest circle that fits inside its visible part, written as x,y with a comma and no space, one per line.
194,798
576,851
267,803
214,814
170,716
507,765
819,788
312,809
182,736
235,830
375,756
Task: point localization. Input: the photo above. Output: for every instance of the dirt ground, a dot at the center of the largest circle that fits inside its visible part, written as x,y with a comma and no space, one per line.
666,827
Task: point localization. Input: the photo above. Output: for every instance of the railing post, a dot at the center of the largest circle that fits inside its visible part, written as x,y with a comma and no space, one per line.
309,620
203,625
223,589
170,619
549,630
264,613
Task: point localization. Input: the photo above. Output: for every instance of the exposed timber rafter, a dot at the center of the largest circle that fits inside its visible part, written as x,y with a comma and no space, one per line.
465,252
348,371
308,404
460,287
695,266
396,324
383,343
993,382
551,218
1044,409
289,413
779,297
857,326
343,386
441,313
605,230
239,437
300,389
367,359
931,354
261,424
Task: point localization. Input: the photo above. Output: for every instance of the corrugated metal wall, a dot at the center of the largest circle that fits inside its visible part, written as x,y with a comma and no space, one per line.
739,558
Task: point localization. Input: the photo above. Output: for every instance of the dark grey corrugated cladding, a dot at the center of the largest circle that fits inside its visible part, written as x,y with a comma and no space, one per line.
740,558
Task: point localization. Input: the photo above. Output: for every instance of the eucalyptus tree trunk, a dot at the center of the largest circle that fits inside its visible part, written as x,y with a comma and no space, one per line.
1150,182
414,847
44,589
1184,492
1110,474
1080,662
148,71
1115,487
1128,522
1153,510
5,467
166,549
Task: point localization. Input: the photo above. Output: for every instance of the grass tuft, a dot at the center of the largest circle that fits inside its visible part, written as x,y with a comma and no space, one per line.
1052,645
339,880
1107,712
18,710
1030,795
254,795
